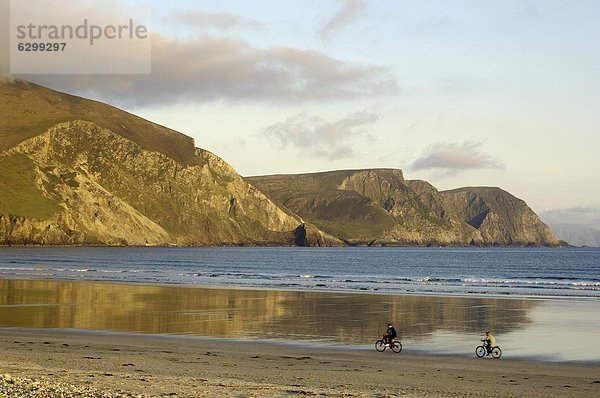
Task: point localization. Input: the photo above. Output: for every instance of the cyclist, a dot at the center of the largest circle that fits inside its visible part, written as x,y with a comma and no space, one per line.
490,342
389,335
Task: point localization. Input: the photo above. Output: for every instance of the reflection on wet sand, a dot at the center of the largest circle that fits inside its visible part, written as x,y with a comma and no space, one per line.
259,314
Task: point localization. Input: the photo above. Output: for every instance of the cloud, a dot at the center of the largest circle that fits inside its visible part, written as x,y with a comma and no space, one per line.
208,69
221,20
348,13
452,158
586,216
212,69
319,137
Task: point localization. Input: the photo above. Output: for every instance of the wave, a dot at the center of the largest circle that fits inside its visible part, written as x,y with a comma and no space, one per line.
533,282
452,272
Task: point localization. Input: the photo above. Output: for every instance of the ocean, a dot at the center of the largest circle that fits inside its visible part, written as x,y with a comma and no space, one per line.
522,272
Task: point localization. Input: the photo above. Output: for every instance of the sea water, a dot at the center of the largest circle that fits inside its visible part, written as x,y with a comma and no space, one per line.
525,272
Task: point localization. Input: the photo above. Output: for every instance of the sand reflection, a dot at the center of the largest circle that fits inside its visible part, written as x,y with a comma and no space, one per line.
356,318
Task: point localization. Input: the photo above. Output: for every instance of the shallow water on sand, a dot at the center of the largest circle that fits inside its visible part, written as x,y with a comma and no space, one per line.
543,329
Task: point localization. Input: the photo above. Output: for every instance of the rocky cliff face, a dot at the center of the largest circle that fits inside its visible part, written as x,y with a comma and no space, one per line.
501,218
380,207
81,183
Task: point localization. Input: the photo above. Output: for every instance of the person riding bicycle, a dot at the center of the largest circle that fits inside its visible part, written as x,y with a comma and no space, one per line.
390,334
490,342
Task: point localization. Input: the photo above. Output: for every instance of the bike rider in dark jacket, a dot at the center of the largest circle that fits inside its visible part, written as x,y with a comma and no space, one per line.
390,334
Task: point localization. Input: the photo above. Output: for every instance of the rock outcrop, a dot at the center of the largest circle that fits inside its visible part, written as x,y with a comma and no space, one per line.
380,207
501,218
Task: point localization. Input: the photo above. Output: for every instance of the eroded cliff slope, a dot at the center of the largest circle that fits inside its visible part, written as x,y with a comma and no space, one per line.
380,207
501,218
79,172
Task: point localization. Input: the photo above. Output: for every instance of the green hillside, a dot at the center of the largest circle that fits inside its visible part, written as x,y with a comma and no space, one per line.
28,110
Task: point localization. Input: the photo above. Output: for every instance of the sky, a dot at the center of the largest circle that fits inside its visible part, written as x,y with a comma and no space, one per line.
455,92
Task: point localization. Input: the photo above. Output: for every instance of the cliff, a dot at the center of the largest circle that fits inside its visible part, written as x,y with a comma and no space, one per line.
501,218
79,172
381,207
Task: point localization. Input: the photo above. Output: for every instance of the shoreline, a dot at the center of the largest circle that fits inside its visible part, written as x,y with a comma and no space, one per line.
284,344
124,339
527,327
313,289
158,366
250,245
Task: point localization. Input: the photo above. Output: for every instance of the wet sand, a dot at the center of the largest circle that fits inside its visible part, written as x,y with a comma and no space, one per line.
159,366
193,342
540,329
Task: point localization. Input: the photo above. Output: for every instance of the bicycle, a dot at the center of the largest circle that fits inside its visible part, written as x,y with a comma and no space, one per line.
395,345
481,351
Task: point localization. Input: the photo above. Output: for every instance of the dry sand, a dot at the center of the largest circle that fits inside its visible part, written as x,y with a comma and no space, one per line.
192,367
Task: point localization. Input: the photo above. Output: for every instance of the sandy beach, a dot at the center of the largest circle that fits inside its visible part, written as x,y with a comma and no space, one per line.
87,339
158,366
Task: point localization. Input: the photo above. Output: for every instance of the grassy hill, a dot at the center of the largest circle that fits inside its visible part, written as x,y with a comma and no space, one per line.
29,110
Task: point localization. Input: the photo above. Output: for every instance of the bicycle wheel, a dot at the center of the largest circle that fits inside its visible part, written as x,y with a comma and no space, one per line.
397,347
496,352
380,345
480,351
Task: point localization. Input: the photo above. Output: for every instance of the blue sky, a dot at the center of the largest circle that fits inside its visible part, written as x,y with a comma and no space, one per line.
460,93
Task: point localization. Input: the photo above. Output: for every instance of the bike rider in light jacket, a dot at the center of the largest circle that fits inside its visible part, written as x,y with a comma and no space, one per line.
490,342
